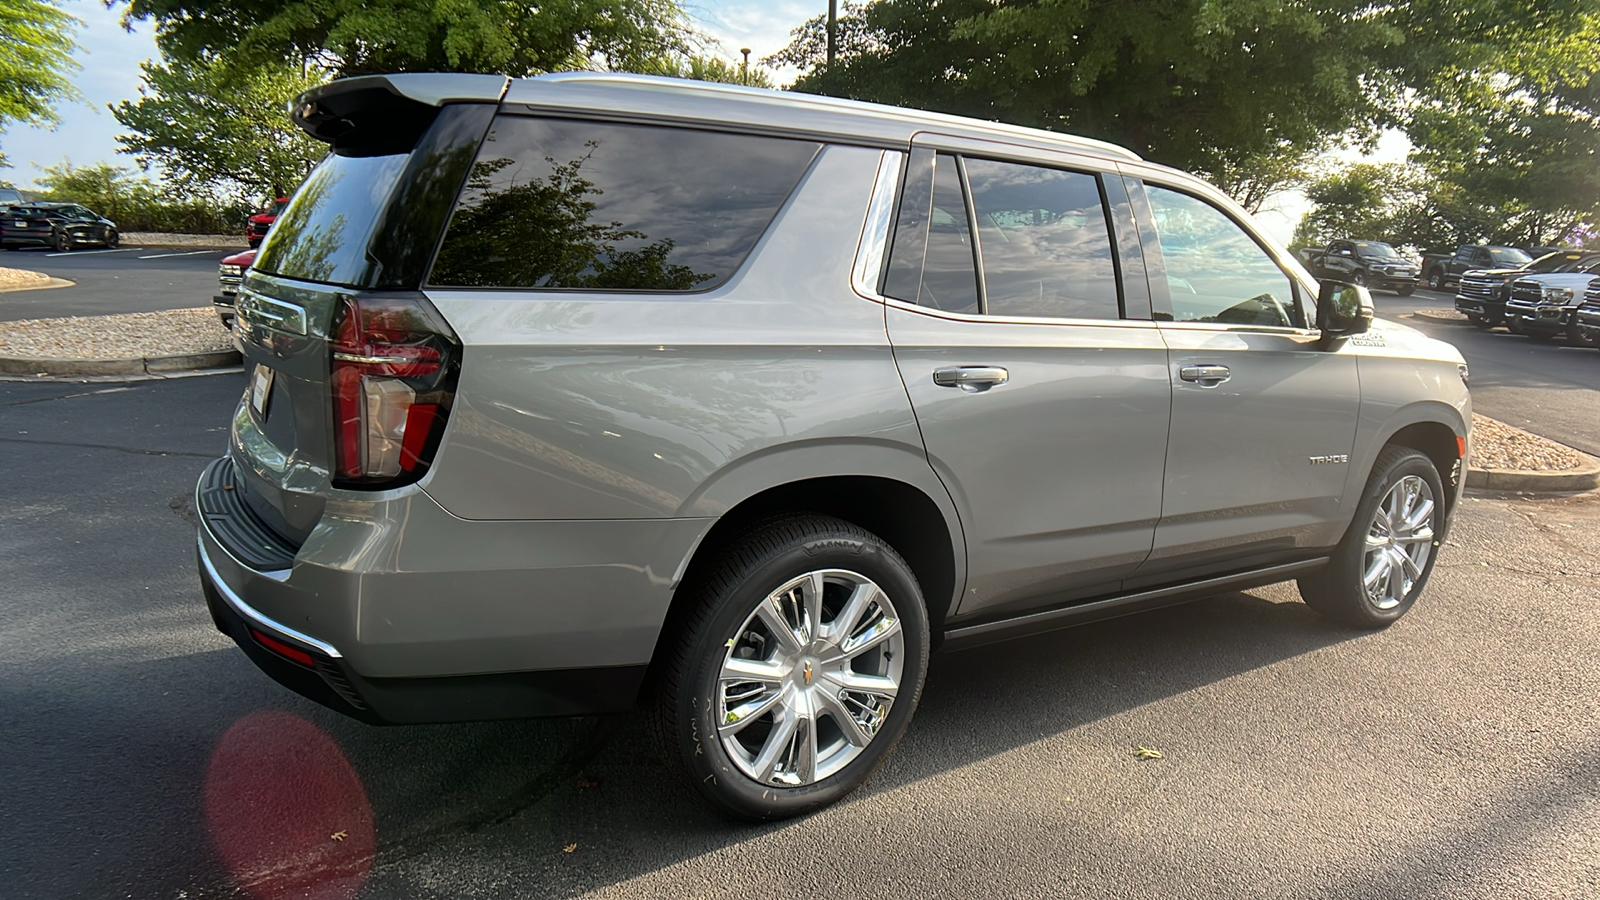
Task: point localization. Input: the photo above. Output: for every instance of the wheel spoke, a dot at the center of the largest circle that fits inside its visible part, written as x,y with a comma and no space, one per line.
844,717
811,602
882,629
1407,564
876,685
848,618
779,741
1420,516
737,718
805,748
1376,569
772,615
1425,535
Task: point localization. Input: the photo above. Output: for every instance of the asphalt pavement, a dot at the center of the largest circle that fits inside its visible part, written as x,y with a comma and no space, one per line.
129,279
1456,754
1543,387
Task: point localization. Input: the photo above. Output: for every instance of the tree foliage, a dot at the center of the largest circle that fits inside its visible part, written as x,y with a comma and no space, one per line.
205,123
1245,90
35,60
136,203
352,37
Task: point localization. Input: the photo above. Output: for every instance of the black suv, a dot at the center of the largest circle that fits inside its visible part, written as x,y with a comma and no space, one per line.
60,226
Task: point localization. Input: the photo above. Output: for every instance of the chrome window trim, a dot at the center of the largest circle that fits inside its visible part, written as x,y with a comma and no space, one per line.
980,318
874,246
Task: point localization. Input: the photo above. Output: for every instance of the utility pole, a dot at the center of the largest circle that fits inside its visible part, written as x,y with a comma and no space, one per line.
744,69
833,30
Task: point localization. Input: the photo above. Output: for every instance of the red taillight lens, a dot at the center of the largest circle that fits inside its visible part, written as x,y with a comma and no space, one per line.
393,361
284,650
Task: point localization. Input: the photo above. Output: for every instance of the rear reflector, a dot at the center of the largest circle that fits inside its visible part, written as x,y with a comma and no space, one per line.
294,654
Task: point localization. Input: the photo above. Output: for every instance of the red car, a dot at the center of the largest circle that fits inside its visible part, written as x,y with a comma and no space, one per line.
229,273
256,228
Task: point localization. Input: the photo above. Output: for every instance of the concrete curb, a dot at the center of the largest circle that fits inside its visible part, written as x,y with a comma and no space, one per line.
146,365
52,283
1562,481
1439,315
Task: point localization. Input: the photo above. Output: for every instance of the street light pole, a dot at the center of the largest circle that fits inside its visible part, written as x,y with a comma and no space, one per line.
833,30
744,69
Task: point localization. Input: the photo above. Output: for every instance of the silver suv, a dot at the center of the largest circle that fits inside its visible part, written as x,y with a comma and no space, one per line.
581,393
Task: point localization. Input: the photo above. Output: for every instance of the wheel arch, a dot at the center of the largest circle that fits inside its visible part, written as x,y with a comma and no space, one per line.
1434,430
921,525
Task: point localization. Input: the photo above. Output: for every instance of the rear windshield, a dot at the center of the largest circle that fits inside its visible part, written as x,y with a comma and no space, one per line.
322,234
566,204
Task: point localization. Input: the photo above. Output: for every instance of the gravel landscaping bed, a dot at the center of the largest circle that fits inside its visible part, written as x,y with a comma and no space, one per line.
15,278
1496,445
127,336
157,239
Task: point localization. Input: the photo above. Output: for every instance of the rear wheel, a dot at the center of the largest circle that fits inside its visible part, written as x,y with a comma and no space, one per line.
1436,280
797,671
1382,564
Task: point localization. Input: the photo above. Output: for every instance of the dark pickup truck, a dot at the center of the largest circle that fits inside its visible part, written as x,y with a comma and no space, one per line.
1441,270
1483,292
1373,264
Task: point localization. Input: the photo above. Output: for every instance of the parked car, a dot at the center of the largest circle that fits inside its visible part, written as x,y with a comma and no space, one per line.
1482,293
1442,269
1371,263
59,226
230,272
9,197
1589,315
1545,306
584,392
256,228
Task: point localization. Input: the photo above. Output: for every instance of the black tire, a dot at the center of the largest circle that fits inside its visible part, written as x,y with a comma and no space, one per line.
1574,335
113,239
1436,280
1406,290
61,243
1543,337
1337,591
725,599
1358,277
1479,322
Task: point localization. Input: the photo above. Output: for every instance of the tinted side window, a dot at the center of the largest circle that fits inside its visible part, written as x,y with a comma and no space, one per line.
949,277
554,203
1045,242
1215,271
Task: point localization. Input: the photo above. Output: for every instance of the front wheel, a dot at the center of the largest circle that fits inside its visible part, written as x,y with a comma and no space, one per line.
797,671
1406,290
1380,567
113,239
61,243
1575,335
1358,277
1436,280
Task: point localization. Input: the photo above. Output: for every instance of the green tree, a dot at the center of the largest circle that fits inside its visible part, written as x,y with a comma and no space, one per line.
707,68
137,203
207,124
351,37
35,60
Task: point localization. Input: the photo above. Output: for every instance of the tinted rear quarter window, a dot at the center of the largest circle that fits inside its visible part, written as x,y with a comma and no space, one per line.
580,205
323,233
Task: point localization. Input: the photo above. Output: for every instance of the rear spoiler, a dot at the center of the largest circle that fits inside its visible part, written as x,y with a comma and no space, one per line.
370,112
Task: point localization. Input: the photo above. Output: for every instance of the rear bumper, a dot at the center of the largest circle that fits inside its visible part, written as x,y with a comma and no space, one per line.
27,238
488,624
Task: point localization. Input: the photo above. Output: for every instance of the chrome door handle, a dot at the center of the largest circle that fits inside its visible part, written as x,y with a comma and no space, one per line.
971,379
1207,376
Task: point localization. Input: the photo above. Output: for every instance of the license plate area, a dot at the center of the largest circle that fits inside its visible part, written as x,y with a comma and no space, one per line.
260,390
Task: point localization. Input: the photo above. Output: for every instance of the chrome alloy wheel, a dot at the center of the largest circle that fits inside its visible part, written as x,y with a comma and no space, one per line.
1399,542
809,678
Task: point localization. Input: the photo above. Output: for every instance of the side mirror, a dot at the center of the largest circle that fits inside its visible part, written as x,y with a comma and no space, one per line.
1343,309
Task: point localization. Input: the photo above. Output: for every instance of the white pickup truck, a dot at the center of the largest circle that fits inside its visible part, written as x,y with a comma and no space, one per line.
1545,306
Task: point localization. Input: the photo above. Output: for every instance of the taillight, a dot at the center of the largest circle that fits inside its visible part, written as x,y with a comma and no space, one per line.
394,364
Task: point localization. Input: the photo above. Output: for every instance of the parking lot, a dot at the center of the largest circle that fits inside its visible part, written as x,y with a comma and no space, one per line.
1456,754
128,279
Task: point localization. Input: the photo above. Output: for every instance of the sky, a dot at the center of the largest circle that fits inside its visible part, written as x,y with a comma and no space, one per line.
110,55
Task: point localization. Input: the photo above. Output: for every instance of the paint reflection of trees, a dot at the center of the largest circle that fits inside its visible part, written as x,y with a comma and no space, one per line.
542,233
